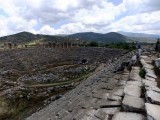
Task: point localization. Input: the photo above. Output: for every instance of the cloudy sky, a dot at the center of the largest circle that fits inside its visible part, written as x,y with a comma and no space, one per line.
72,16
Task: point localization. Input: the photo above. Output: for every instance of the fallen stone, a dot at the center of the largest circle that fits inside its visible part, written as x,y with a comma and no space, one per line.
153,97
132,90
133,104
128,116
153,111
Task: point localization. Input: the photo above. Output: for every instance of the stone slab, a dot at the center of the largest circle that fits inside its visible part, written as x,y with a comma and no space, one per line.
118,91
149,83
110,111
153,111
153,88
135,83
132,90
128,116
153,97
133,104
150,78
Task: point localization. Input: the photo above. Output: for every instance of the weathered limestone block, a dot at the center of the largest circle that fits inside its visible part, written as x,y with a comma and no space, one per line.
122,83
149,83
135,83
153,97
152,88
157,62
128,116
118,91
150,73
135,78
150,78
153,111
148,66
110,111
133,104
132,90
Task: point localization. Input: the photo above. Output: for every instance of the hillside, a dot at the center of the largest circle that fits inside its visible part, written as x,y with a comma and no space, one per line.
105,38
29,38
141,37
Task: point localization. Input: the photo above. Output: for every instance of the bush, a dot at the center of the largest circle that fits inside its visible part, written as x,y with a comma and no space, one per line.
142,73
93,44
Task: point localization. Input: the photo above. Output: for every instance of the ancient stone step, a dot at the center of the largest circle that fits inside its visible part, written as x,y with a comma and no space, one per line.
128,116
149,83
152,88
150,73
135,83
110,111
133,104
132,90
153,97
153,111
150,78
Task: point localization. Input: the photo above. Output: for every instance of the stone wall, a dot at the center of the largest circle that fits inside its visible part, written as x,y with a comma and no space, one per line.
10,45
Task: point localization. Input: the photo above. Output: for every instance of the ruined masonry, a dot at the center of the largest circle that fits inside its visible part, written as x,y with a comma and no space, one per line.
109,96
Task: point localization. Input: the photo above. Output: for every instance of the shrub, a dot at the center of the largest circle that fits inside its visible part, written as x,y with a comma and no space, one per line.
93,44
142,73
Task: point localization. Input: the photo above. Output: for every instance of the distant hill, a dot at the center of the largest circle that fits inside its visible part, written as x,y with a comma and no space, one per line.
98,37
29,38
141,37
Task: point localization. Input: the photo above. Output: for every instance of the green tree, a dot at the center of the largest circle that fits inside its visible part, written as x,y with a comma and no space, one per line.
93,44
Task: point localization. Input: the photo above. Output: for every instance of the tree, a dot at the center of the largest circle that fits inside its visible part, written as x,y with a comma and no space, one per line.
93,44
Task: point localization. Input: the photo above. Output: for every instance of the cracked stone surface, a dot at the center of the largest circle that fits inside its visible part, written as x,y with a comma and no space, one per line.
128,116
153,111
133,104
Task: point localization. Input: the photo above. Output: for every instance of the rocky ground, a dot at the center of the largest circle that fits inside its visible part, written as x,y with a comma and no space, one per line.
33,78
107,95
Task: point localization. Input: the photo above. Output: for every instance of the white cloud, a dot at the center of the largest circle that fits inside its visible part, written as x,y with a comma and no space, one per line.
39,16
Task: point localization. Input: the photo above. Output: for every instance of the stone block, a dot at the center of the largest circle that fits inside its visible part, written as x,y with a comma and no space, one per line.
153,111
133,104
132,90
153,97
128,116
